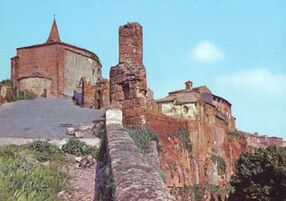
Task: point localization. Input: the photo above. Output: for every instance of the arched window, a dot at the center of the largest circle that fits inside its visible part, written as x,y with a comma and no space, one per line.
185,110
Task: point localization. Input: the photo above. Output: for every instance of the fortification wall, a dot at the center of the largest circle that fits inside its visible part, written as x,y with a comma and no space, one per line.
133,177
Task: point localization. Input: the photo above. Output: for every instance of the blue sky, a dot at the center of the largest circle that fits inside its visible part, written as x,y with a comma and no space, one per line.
236,48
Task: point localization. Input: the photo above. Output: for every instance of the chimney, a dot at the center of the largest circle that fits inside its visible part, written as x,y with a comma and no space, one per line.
189,85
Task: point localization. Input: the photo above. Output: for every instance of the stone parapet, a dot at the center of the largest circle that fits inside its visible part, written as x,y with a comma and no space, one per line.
133,177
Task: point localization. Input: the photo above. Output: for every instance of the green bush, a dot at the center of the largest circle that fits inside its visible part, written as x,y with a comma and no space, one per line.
9,151
76,147
198,192
6,83
93,151
43,151
234,135
142,137
260,175
183,134
221,165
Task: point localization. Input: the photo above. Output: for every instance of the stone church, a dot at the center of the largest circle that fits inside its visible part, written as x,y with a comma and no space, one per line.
53,68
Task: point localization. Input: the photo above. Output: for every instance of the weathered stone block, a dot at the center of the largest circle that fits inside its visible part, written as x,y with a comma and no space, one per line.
114,116
70,131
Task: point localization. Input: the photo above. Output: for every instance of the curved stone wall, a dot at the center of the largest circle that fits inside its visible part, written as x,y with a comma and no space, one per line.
37,85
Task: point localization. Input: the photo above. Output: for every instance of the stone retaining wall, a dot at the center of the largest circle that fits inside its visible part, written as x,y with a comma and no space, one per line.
133,177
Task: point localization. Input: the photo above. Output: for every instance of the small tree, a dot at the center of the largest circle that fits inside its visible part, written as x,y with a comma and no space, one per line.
260,176
6,83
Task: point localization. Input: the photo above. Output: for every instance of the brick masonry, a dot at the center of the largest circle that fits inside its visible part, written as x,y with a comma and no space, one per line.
61,63
95,96
128,85
130,43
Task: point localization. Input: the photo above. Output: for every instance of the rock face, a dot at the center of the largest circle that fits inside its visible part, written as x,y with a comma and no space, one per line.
198,156
194,157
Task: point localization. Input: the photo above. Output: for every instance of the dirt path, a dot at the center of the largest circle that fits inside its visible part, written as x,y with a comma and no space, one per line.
81,186
83,183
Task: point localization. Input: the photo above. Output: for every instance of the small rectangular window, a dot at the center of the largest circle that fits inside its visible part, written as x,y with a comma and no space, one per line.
126,91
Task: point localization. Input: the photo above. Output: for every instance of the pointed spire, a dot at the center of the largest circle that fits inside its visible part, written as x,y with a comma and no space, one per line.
54,34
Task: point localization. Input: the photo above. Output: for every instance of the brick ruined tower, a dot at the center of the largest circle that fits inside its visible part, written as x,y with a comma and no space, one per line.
128,85
130,43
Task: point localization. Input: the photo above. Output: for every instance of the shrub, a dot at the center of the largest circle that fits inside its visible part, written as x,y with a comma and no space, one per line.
260,175
43,151
142,138
183,134
221,165
76,147
234,135
6,83
9,151
198,192
94,152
